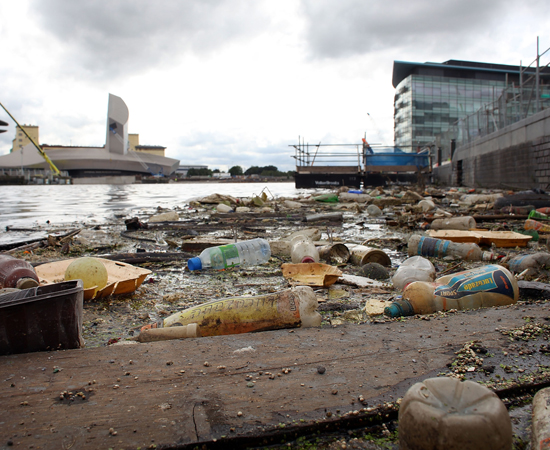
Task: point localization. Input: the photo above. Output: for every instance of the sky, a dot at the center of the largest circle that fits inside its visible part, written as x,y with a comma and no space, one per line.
234,82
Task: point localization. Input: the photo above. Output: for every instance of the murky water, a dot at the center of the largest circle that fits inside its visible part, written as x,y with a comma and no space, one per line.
32,206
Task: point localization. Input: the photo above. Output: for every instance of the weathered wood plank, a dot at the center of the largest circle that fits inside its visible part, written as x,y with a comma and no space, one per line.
191,391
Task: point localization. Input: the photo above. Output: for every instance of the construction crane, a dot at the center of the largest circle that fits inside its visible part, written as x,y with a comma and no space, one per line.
48,160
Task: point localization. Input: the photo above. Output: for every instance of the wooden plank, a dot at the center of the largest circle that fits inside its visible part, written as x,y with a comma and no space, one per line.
483,237
178,393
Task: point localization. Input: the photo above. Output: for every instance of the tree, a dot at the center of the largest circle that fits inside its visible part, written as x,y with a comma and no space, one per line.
236,170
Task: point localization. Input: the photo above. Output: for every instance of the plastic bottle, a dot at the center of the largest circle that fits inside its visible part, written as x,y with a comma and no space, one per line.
413,269
534,214
302,250
529,261
295,307
16,273
454,223
246,253
326,198
531,224
427,246
520,210
447,414
490,285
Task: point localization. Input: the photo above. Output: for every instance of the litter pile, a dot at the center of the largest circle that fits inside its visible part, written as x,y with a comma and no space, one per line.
224,265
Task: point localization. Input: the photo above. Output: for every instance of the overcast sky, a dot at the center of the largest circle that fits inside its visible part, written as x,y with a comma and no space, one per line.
235,82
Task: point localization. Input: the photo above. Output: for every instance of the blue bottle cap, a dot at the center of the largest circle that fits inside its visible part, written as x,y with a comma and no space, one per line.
398,309
194,263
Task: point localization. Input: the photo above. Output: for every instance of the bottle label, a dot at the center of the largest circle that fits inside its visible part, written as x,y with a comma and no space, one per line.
489,278
230,255
432,247
515,263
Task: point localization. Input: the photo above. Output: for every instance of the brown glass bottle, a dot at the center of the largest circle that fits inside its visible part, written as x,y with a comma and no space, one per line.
16,273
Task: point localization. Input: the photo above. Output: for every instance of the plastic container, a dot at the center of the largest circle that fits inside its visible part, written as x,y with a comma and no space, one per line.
454,223
16,273
540,422
290,308
302,250
42,318
426,205
246,253
413,269
447,414
529,261
440,248
520,210
490,285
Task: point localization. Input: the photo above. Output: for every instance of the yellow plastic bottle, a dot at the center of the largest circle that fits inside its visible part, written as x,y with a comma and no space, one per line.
290,308
487,286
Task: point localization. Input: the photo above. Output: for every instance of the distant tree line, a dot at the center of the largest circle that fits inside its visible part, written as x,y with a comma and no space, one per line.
265,171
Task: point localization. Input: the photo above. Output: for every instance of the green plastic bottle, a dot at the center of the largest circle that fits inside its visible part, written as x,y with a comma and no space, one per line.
326,198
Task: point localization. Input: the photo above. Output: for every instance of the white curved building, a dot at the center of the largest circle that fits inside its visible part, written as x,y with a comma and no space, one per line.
114,159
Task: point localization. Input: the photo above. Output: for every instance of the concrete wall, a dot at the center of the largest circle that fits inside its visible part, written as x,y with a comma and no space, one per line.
517,156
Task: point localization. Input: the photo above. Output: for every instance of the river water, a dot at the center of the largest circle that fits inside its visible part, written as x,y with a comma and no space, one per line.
33,206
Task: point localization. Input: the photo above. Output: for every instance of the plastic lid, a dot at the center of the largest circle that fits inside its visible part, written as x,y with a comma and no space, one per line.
194,263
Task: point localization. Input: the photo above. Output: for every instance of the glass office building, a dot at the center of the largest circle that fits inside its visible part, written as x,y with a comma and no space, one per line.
432,97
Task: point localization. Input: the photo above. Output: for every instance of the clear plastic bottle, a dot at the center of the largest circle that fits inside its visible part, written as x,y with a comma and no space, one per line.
246,253
490,285
454,223
427,246
16,273
413,269
302,250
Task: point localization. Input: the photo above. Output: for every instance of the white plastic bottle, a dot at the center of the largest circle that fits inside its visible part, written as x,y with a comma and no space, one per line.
534,261
246,253
413,269
302,250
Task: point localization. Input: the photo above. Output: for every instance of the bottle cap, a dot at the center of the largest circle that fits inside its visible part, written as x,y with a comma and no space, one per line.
194,263
26,283
398,309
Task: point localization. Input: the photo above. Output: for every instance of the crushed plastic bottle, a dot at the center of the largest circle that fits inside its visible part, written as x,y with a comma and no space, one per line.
246,253
490,285
413,269
447,414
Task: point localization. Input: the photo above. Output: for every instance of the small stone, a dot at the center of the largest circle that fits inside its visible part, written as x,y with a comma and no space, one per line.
375,271
334,392
321,370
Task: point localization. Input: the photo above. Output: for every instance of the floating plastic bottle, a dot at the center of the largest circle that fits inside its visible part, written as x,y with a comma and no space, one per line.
440,248
302,250
290,308
490,285
447,414
533,261
413,269
454,223
246,253
16,273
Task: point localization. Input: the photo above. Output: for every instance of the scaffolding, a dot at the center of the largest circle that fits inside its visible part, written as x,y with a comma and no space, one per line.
515,103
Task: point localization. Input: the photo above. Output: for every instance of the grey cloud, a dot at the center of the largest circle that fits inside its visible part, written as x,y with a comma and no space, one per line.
130,36
346,27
